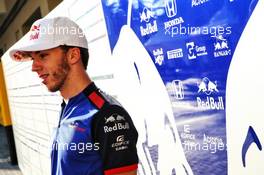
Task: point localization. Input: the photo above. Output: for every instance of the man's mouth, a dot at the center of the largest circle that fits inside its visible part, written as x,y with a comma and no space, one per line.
44,78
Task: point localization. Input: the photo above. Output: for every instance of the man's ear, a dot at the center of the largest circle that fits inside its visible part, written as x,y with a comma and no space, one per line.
73,55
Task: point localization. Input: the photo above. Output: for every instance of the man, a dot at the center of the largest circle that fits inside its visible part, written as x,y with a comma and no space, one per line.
95,135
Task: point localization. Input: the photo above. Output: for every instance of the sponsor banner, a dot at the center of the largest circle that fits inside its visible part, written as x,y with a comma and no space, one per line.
175,57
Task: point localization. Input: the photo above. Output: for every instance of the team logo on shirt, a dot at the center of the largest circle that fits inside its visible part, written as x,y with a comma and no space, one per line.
120,138
115,122
75,125
114,118
121,143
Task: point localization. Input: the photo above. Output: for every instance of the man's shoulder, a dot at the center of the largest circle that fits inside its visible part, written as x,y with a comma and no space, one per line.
111,100
99,98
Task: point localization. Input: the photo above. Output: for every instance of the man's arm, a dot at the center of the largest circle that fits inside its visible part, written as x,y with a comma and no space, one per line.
116,134
127,173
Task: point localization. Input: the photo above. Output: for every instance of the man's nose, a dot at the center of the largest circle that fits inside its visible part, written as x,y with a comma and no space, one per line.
36,66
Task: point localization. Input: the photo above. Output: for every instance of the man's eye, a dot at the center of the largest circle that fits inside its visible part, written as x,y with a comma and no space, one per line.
43,55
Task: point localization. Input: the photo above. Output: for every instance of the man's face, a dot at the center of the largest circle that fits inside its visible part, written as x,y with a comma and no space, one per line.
51,65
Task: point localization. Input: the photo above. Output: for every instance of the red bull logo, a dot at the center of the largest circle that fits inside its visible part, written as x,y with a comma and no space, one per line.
207,86
34,32
35,27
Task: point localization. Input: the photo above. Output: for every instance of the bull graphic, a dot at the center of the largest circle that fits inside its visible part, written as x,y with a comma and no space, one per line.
207,86
110,119
114,117
202,87
119,117
212,87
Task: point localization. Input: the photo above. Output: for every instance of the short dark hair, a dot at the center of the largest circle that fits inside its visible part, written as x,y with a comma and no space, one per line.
83,51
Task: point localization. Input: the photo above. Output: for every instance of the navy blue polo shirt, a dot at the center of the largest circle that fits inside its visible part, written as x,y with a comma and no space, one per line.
95,136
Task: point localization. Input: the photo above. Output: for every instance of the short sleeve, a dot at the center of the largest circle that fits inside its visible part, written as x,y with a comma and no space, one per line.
117,136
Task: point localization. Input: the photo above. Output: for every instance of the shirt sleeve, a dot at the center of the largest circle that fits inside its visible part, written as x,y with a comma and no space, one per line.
117,136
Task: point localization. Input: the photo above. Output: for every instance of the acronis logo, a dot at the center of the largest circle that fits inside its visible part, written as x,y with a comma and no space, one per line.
198,2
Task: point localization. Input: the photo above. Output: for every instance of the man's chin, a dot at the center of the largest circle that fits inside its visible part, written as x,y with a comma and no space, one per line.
52,89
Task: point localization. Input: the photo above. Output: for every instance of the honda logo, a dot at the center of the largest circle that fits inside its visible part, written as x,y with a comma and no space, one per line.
171,8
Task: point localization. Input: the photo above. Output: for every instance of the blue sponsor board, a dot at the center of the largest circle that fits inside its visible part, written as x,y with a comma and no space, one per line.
191,43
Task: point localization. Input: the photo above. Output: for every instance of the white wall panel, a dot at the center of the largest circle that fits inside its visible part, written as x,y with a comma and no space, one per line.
34,110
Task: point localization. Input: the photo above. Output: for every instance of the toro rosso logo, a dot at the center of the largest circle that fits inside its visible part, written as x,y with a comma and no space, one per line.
75,125
34,32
